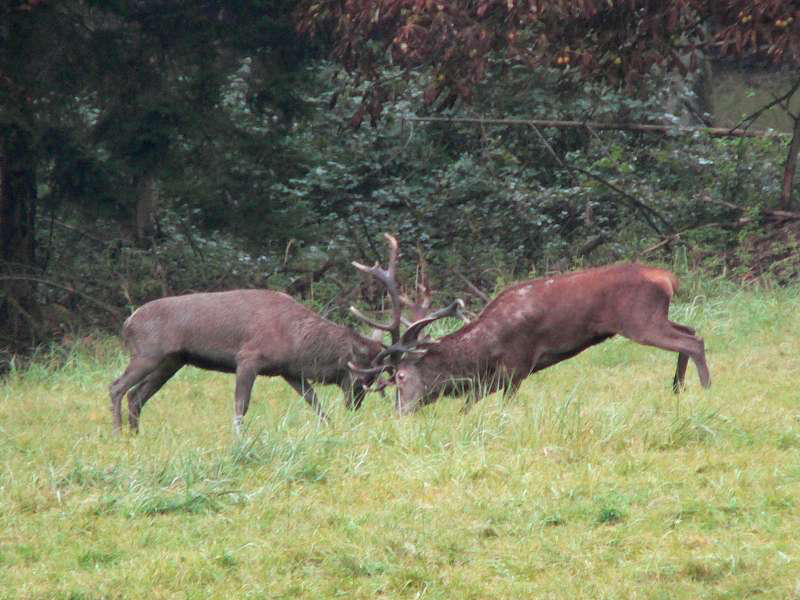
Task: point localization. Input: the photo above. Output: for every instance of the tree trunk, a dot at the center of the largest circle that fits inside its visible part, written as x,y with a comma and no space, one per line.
146,206
18,310
790,168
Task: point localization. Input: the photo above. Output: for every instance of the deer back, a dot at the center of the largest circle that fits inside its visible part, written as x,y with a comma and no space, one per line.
211,329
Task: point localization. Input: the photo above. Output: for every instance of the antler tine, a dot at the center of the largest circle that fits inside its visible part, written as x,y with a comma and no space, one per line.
374,370
410,335
423,287
409,344
423,298
388,278
395,353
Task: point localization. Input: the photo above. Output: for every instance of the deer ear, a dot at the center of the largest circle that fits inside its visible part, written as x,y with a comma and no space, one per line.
359,355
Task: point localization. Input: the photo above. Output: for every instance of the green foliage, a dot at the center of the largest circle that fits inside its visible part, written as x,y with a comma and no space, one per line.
198,97
500,201
263,201
260,182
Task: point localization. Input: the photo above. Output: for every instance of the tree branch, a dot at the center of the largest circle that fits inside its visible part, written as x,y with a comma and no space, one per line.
790,166
109,309
775,215
643,208
642,127
752,117
473,288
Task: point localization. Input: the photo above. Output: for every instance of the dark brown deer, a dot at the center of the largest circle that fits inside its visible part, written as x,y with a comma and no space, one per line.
246,332
535,324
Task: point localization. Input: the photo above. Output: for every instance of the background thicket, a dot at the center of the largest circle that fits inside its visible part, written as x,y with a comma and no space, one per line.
151,148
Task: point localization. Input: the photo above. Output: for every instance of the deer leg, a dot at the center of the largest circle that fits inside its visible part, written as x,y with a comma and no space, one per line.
683,360
700,362
147,389
683,328
139,368
680,373
246,373
669,337
303,387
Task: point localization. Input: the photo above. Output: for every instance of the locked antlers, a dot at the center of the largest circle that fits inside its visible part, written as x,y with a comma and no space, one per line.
408,341
388,278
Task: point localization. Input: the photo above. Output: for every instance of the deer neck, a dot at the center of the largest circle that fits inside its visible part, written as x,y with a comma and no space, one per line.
464,355
358,348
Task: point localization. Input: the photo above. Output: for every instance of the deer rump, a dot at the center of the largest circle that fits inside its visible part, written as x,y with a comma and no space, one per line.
247,332
538,323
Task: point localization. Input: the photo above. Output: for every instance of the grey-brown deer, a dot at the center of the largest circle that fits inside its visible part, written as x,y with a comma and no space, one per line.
251,333
535,324
246,332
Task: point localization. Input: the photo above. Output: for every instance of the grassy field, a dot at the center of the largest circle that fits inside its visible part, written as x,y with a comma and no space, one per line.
595,482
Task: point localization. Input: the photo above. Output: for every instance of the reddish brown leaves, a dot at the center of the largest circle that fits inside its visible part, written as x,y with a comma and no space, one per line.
768,28
616,40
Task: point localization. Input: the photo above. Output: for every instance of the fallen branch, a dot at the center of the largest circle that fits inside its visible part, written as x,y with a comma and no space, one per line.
775,215
643,208
768,213
473,288
592,244
642,127
664,241
745,122
646,211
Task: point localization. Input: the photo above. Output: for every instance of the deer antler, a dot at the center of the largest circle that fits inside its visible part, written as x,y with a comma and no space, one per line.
411,334
421,305
388,277
408,343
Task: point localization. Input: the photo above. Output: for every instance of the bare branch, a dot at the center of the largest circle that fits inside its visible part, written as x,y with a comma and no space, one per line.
111,310
473,288
643,127
746,121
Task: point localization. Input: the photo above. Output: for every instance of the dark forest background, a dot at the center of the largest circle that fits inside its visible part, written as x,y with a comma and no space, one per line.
155,148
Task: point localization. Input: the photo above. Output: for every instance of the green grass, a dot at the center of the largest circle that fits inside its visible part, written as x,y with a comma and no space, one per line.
595,482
